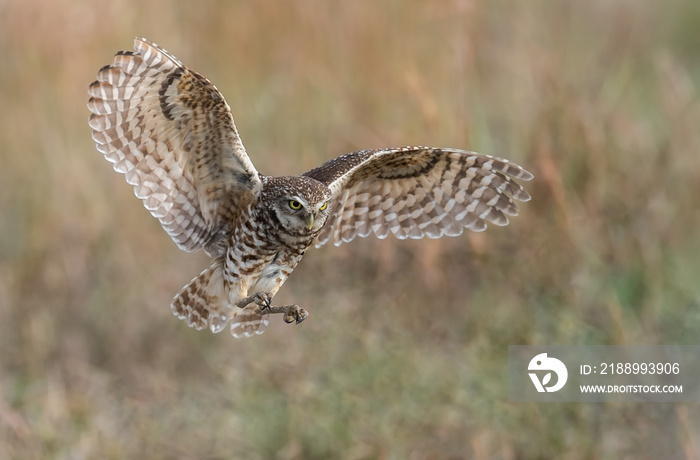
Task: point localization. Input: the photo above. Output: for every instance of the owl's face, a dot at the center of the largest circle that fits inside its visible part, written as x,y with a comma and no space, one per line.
302,205
300,215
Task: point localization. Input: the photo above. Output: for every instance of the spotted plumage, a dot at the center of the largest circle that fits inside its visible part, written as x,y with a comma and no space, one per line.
171,133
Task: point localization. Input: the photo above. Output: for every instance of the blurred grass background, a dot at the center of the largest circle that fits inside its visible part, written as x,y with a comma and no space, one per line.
404,355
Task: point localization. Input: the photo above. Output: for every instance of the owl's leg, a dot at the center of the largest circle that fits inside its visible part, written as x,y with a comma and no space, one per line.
261,299
291,313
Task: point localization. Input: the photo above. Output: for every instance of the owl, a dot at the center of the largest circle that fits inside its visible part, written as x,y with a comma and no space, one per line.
172,135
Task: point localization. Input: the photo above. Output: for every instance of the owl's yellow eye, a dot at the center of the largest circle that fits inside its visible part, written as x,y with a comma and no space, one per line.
324,206
295,205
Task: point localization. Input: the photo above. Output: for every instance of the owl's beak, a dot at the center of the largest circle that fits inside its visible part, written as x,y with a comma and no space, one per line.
309,220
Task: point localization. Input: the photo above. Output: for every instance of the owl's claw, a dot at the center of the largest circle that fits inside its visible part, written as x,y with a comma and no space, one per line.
295,313
263,300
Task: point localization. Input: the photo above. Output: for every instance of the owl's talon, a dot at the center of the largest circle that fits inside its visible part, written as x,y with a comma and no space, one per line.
295,314
301,315
263,299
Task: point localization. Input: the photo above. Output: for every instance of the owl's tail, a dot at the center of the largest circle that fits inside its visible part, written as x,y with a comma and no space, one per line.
204,303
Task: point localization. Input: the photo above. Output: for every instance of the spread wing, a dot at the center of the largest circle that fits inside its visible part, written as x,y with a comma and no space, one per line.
172,135
414,192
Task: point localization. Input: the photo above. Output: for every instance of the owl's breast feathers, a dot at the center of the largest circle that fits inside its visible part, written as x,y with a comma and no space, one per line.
259,255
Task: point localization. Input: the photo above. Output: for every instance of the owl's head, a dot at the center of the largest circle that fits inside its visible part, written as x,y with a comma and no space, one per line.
300,204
